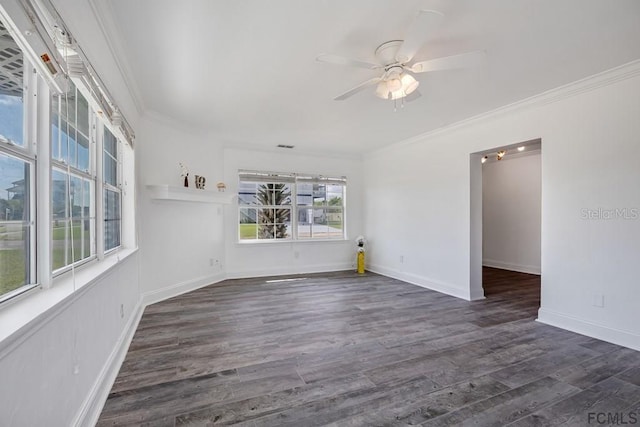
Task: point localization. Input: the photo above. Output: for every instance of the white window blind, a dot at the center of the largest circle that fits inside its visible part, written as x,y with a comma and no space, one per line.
66,58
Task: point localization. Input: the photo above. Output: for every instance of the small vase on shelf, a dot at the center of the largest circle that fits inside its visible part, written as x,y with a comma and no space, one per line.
184,172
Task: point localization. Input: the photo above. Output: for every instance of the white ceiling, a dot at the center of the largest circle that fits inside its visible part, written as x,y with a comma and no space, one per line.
244,71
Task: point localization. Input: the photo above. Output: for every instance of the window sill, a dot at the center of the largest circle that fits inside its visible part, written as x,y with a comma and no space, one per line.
24,313
296,242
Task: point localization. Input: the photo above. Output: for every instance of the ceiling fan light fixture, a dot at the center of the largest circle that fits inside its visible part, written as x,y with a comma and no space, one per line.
409,83
394,84
382,91
398,94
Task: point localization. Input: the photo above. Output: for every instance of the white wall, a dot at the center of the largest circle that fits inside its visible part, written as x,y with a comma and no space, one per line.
57,367
259,259
417,215
177,239
511,213
418,202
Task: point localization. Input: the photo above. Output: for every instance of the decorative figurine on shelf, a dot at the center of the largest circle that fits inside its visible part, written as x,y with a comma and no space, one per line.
200,180
360,241
184,173
221,187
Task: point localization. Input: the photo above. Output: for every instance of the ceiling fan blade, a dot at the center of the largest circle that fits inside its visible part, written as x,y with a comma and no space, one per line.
462,60
341,60
357,89
425,23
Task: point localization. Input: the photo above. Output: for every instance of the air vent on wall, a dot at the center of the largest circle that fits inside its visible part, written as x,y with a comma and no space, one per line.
285,146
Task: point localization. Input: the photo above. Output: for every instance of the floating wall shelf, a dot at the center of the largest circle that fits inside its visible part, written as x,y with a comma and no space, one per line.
188,194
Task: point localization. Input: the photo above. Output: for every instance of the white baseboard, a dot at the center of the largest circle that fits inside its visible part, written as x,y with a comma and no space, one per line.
521,268
290,269
93,404
584,327
158,295
424,282
476,294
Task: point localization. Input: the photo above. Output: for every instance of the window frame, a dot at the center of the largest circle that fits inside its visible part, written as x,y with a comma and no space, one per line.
72,171
30,265
294,180
289,206
41,82
26,153
321,180
105,186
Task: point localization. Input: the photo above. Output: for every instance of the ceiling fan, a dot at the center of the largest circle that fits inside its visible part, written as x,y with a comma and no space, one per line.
394,58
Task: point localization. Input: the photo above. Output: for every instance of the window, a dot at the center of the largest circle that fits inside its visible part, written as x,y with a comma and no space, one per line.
15,226
112,192
11,89
265,211
17,164
72,183
320,210
62,159
277,206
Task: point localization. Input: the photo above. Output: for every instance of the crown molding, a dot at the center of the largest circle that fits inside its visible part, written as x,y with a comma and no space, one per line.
103,12
587,84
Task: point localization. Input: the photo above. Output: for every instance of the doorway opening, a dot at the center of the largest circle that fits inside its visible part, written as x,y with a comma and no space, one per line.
506,221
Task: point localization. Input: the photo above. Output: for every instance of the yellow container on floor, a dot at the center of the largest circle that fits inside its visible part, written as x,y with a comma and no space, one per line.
361,262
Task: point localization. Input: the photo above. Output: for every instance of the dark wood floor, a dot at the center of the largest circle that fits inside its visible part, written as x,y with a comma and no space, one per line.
350,350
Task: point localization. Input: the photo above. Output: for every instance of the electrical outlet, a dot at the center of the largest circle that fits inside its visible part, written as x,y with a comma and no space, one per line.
401,259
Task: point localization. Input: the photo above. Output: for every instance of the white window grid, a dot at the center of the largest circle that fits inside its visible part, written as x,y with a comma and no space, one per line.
293,180
87,175
27,153
117,188
38,88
